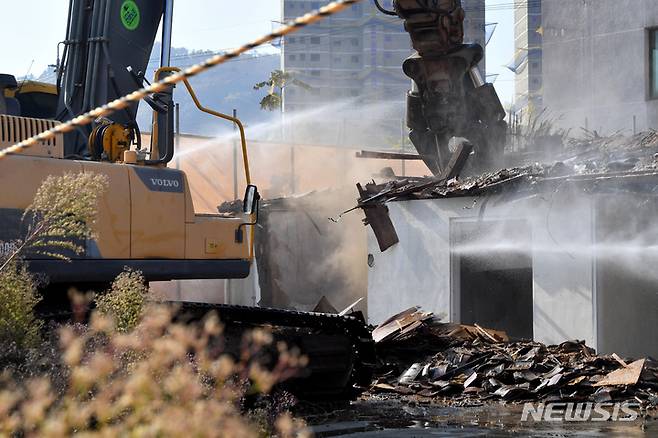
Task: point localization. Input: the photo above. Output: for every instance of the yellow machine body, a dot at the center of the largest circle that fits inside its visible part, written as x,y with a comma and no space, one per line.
29,87
37,99
146,217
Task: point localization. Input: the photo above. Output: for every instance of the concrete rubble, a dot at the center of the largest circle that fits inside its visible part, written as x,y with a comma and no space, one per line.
422,357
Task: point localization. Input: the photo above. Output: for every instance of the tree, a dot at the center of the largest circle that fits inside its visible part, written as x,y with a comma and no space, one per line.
277,82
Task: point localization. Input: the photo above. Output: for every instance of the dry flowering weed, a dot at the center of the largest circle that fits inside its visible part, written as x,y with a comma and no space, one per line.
61,217
162,378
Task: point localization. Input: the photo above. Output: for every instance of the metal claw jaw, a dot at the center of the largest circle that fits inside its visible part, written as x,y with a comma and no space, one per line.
448,97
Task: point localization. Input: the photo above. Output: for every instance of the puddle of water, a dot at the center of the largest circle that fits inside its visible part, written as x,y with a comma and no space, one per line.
395,418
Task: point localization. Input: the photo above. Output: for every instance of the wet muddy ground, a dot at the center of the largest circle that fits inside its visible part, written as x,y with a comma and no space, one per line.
384,417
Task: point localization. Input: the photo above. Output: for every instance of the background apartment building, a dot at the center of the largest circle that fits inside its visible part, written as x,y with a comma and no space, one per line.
356,55
527,63
600,60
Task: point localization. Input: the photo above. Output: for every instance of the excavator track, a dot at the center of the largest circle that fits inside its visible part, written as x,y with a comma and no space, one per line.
340,349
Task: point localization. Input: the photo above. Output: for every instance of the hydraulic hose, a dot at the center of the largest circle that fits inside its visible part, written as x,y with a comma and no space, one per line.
384,10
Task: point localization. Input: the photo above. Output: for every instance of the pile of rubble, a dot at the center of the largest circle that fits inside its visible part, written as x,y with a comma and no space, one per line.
426,358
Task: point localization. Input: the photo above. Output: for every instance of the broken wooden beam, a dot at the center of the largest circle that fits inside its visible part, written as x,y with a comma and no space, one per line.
387,155
458,159
380,222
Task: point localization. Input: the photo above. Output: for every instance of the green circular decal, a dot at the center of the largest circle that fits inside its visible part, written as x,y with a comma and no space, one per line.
130,15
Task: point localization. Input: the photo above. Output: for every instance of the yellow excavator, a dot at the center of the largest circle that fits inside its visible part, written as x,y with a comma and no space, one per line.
146,218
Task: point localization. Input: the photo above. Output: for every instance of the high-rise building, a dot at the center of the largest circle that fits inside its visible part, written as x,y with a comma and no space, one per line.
474,27
601,64
357,55
527,63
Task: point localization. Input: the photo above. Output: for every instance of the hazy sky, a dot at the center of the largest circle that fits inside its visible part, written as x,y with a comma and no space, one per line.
501,49
200,24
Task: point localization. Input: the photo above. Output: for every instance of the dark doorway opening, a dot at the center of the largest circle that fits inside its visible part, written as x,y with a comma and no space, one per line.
492,275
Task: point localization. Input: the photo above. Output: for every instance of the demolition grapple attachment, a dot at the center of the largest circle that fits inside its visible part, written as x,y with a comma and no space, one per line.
448,96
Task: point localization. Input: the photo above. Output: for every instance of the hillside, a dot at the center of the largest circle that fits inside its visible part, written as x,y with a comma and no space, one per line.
223,88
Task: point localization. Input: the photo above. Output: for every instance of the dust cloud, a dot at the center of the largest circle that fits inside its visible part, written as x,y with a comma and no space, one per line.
308,158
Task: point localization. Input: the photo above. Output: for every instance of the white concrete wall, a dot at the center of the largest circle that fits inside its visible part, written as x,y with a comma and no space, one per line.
417,271
244,292
562,271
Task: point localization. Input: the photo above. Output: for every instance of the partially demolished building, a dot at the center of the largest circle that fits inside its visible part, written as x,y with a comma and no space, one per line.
549,252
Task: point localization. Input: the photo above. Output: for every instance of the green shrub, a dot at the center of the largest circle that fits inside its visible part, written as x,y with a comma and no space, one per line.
59,220
124,302
18,296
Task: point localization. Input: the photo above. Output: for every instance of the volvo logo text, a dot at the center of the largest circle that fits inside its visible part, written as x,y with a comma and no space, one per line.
159,182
